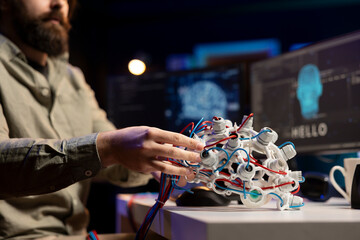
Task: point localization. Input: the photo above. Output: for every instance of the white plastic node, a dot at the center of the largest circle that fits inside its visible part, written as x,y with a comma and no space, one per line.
216,173
228,193
275,136
197,181
241,155
297,175
209,185
209,158
284,204
248,124
296,202
259,174
288,151
219,125
228,123
287,187
276,165
264,138
233,176
233,143
253,198
246,172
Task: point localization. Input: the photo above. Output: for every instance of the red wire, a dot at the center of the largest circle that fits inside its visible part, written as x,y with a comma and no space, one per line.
129,210
253,158
216,118
202,127
161,202
213,144
258,164
176,163
280,185
263,188
297,190
227,180
192,127
95,234
242,124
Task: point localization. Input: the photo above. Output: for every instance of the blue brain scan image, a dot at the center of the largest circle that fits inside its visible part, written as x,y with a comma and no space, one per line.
309,90
193,95
203,99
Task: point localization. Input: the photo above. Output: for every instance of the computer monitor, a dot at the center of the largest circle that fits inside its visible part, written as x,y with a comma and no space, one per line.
311,96
137,100
205,93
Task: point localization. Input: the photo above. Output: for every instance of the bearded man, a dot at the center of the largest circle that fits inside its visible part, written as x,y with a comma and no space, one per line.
53,135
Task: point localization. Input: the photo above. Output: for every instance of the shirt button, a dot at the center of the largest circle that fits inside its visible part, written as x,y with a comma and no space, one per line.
88,173
45,92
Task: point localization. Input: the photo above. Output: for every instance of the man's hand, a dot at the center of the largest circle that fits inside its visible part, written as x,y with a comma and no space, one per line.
143,149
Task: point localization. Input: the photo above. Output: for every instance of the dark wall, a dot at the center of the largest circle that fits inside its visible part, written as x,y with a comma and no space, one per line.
107,34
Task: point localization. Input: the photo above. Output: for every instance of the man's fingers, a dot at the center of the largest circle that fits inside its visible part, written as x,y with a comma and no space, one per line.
170,169
176,139
162,151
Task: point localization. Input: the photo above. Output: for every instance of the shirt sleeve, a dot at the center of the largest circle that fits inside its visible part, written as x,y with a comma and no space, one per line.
38,166
98,115
116,174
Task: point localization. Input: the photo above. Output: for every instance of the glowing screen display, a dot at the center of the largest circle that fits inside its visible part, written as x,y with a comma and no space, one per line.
192,95
311,96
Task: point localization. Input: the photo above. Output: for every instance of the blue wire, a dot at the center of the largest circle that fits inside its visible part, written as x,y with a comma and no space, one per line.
227,154
247,154
92,236
231,189
192,132
263,131
244,189
297,206
181,188
282,201
202,128
303,180
151,219
206,174
152,213
285,143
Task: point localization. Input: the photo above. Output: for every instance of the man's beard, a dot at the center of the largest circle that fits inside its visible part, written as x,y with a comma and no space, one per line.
40,33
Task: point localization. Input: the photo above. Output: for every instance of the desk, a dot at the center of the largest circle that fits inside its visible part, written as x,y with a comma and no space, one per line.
333,219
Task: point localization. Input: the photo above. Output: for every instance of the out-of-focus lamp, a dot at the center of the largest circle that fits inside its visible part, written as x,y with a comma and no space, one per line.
136,67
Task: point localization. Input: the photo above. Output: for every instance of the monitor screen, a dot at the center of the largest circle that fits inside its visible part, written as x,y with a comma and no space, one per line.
196,94
311,96
137,100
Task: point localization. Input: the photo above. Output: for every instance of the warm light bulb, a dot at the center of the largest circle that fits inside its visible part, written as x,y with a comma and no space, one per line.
136,67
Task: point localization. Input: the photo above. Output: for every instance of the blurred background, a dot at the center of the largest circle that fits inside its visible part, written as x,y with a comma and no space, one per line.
107,34
184,35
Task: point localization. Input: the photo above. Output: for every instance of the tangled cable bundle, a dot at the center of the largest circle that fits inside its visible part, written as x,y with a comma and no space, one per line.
229,166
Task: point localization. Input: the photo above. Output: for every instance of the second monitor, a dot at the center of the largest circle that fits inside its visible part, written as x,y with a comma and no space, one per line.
312,96
205,93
